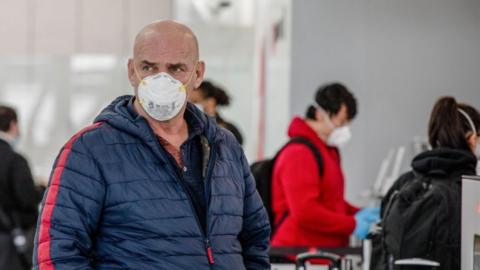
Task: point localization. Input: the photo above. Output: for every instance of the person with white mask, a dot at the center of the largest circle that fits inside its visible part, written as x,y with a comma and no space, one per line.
432,191
309,206
154,183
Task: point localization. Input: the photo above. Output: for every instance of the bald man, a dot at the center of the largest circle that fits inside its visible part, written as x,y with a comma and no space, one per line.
153,183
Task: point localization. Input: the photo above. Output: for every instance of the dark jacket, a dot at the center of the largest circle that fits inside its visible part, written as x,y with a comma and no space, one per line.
115,202
230,127
443,167
18,202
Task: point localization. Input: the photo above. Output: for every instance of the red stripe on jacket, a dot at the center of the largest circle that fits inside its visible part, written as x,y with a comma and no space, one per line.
44,258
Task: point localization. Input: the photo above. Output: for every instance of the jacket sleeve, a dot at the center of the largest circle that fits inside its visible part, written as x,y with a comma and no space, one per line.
71,209
26,196
302,188
255,235
351,209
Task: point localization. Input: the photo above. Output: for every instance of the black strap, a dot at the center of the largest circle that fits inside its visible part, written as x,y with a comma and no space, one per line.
318,158
311,146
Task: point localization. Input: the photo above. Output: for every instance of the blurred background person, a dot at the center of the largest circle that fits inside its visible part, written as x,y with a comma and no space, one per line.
18,198
208,97
421,213
308,203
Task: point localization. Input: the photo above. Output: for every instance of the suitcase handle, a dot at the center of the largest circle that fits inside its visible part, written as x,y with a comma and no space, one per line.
302,258
417,263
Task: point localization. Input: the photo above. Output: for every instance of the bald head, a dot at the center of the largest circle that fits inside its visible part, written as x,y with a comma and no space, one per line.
165,32
170,47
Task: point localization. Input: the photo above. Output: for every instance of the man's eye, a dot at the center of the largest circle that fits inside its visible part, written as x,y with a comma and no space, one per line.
147,68
176,69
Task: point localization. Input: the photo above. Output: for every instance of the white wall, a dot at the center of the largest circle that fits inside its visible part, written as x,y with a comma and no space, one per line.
61,61
61,27
227,51
226,39
273,36
397,57
232,42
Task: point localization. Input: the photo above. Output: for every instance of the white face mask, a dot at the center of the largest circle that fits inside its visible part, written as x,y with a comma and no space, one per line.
477,148
340,135
162,96
474,130
13,141
477,153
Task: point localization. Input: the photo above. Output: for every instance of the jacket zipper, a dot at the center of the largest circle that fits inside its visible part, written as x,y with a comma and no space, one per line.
203,231
207,184
211,260
179,176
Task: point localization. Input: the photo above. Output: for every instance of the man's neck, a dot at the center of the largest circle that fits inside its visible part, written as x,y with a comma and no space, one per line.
318,128
5,136
174,131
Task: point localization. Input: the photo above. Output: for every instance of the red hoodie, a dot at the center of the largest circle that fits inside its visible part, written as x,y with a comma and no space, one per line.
316,211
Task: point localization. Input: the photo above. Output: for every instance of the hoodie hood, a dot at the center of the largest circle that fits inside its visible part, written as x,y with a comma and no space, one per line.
299,128
121,115
445,162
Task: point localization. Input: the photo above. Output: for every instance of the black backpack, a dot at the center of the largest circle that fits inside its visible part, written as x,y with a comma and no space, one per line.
421,219
262,171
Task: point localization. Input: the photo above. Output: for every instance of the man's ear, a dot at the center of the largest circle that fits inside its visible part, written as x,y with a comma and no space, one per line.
132,77
472,141
319,117
13,128
199,72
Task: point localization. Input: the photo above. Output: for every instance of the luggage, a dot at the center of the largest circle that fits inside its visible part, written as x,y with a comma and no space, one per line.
419,222
335,262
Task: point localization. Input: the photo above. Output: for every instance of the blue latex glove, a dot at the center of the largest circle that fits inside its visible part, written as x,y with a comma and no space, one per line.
363,219
361,227
369,214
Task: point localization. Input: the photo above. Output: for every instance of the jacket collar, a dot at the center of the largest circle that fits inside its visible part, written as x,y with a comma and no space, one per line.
122,115
5,137
445,162
299,128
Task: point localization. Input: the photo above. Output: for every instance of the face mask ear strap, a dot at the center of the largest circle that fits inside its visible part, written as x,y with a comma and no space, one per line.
136,74
191,74
324,113
469,120
184,86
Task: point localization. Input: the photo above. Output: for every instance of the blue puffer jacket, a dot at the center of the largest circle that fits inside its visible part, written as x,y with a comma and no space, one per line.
115,202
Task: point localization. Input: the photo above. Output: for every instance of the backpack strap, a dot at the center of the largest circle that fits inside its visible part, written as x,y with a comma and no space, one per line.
311,146
318,158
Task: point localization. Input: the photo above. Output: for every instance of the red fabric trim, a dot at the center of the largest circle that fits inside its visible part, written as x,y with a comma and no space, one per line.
262,92
44,239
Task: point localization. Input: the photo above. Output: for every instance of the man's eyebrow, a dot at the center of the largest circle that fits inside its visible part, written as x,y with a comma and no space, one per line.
176,65
148,63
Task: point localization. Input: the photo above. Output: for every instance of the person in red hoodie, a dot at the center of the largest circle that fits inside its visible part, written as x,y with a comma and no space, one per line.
309,207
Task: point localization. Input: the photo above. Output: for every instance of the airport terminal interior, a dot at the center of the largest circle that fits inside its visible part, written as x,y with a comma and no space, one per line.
402,76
